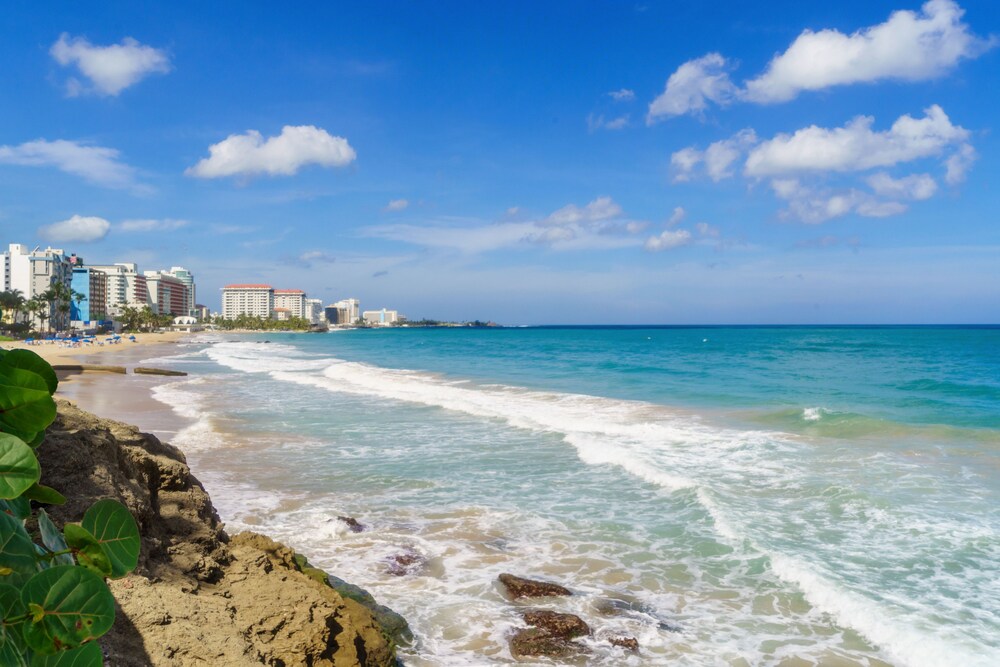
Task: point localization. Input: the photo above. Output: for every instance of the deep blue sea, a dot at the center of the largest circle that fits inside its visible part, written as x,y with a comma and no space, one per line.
727,495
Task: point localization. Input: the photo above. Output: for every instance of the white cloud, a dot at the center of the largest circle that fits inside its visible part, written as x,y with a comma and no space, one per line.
294,148
599,122
149,225
396,205
602,208
95,164
78,229
915,186
112,68
677,216
623,95
692,86
311,257
814,206
909,46
667,240
718,158
706,229
855,147
958,164
684,162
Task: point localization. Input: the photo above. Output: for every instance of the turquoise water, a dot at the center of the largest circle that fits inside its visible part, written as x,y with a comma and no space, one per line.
729,496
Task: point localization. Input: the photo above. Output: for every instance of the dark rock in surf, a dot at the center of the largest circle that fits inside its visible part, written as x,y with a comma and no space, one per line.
405,562
564,626
518,587
352,523
630,643
539,643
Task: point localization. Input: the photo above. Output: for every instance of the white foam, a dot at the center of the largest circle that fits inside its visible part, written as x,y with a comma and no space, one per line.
813,414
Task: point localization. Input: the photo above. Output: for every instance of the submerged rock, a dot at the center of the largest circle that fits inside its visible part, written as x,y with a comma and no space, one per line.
564,626
352,523
519,587
405,562
538,643
630,643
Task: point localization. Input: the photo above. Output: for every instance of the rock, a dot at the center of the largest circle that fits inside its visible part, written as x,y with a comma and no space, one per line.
157,371
352,523
537,643
198,596
518,587
630,643
564,626
405,562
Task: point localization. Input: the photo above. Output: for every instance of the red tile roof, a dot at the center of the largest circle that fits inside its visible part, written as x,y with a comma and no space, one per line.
288,291
247,286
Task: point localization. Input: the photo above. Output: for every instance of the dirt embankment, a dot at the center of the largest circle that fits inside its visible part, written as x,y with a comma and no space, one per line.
198,597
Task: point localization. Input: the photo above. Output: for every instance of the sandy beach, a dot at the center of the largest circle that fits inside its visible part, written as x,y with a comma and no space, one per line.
59,353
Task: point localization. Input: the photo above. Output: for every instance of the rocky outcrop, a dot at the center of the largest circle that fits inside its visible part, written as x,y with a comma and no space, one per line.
550,636
198,596
565,626
518,587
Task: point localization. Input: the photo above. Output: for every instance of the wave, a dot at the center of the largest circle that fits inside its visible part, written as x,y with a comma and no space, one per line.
671,449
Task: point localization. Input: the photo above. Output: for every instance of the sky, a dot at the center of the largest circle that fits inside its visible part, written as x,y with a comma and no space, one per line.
530,163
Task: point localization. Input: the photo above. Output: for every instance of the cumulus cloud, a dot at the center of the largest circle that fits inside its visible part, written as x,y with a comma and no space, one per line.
396,205
96,164
150,225
310,257
909,46
668,239
915,186
283,155
78,229
111,69
958,164
690,88
816,205
623,95
602,208
677,216
855,147
717,159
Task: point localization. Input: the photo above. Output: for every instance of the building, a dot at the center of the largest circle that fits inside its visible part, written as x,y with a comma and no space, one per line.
187,278
247,299
282,314
202,312
33,273
380,318
345,311
92,286
314,311
125,287
292,300
167,295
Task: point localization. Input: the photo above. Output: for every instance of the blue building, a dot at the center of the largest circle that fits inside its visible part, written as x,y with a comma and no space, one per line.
91,309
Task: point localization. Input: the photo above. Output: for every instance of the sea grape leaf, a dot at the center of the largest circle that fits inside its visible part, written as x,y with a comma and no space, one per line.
68,606
10,654
17,551
45,495
19,468
19,508
26,406
88,655
53,539
30,361
10,607
112,524
89,552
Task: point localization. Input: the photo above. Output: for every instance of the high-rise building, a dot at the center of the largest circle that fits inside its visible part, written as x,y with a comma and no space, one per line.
92,286
125,287
348,311
33,273
167,294
314,311
247,299
381,318
292,300
186,277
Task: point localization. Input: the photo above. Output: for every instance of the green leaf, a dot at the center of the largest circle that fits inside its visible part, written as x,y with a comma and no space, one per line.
89,552
26,406
11,655
19,468
69,605
30,361
19,508
53,539
88,655
17,551
45,495
11,606
113,526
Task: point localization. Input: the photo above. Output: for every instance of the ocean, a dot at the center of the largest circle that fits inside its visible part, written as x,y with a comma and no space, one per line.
726,495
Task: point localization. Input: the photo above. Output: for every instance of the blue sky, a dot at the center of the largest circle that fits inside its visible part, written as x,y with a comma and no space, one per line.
558,162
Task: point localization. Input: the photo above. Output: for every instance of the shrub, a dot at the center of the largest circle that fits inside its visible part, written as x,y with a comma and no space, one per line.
54,598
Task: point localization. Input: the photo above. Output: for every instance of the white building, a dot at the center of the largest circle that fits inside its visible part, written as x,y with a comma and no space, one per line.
168,294
247,299
314,311
292,300
33,272
186,277
380,318
348,311
125,287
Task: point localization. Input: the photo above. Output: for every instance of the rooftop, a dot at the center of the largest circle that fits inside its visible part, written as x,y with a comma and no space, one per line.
288,291
247,286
